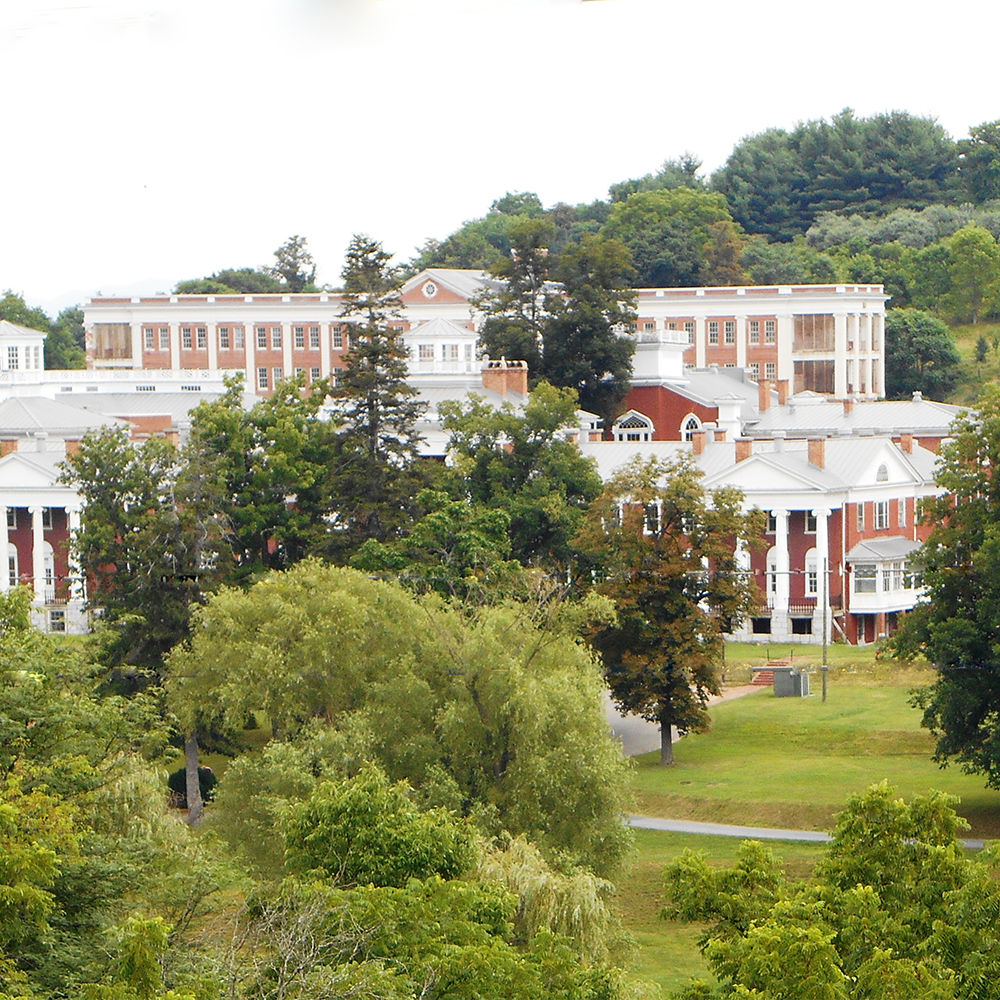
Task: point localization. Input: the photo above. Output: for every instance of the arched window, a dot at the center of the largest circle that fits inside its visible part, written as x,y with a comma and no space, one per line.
882,476
633,426
689,425
812,573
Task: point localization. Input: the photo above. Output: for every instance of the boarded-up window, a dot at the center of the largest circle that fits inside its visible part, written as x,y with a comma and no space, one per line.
813,333
112,340
815,376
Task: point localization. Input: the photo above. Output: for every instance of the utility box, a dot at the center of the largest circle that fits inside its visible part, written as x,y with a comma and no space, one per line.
790,683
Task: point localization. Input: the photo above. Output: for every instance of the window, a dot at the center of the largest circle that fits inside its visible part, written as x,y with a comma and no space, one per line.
671,325
314,338
865,578
299,371
861,516
47,518
57,620
164,338
453,352
278,374
651,518
12,357
897,576
901,513
145,388
11,517
275,337
186,338
881,515
425,352
755,370
338,337
713,331
772,525
150,338
769,331
261,378
314,374
649,326
239,341
12,570
729,364
468,352
300,337
812,580
770,370
190,388
810,523
689,330
224,338
729,330
755,331
882,476
262,338
202,338
691,425
38,357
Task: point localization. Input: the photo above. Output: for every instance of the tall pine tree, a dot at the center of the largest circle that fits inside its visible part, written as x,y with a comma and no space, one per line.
375,475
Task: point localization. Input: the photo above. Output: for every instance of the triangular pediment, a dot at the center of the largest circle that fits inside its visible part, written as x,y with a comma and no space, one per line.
444,285
758,474
20,470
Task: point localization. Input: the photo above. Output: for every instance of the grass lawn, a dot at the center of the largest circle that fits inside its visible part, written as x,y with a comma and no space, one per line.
668,952
791,762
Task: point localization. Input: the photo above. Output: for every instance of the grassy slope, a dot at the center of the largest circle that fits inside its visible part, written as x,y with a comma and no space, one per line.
785,762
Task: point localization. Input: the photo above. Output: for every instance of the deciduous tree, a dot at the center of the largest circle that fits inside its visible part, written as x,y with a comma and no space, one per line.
920,353
669,552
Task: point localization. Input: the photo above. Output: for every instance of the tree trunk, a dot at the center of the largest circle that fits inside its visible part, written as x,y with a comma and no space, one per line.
193,786
666,742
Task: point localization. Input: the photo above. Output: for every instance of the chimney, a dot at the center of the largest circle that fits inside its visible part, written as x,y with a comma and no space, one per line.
906,443
764,395
782,385
848,407
41,441
744,449
779,441
720,434
817,452
6,447
505,377
698,441
918,396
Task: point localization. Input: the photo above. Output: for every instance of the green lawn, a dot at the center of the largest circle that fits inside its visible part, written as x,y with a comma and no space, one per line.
668,953
791,762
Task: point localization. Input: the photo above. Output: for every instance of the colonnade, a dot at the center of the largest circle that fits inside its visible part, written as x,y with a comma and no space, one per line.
779,596
39,583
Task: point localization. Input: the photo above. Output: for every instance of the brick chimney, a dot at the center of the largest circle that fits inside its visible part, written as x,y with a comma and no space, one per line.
764,395
906,443
698,441
744,449
505,377
782,385
720,434
817,452
848,407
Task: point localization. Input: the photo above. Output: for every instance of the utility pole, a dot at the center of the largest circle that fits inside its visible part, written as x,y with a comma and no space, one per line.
826,610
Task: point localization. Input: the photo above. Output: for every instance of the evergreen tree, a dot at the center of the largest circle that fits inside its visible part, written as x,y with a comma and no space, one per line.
374,475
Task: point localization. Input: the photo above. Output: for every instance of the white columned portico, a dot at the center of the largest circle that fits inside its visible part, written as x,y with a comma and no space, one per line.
822,616
840,355
779,613
37,553
77,591
4,552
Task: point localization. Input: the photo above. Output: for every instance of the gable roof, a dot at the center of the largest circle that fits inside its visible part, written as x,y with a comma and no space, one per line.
24,415
8,329
462,281
895,547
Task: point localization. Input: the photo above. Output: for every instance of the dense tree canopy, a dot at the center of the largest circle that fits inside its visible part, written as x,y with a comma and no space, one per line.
957,627
920,354
896,909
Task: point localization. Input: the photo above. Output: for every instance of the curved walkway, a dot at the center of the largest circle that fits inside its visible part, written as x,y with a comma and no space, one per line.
748,832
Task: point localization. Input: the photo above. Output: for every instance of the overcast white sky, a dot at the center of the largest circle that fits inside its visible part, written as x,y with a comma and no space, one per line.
154,140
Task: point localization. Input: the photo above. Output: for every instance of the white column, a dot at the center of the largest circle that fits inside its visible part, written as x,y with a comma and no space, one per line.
37,553
212,332
175,346
137,345
287,347
4,551
878,349
785,329
824,562
840,355
741,341
77,591
325,333
779,603
700,340
250,349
